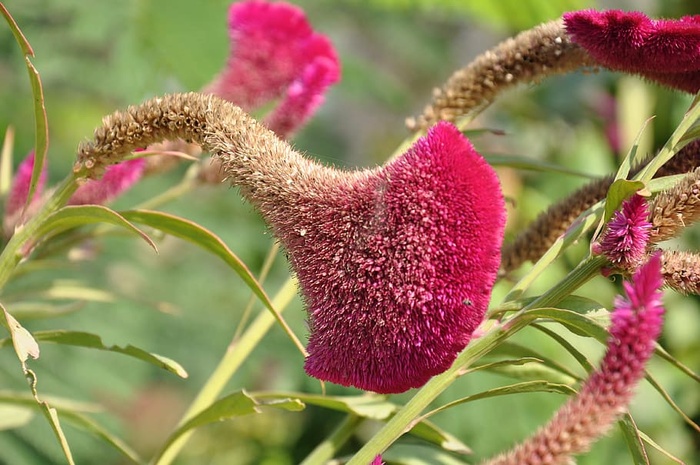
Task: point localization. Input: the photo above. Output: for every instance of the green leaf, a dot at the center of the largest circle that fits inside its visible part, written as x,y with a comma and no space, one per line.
374,407
87,424
92,341
585,363
15,416
633,440
416,454
653,444
517,388
52,416
61,289
202,237
508,348
60,403
74,216
230,406
619,191
43,310
528,368
581,325
41,144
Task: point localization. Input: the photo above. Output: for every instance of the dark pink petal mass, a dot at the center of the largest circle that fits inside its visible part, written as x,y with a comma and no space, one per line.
272,46
17,197
664,50
117,179
397,264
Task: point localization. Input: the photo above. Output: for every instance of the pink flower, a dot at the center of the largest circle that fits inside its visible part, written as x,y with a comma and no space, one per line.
665,51
19,191
396,264
626,236
117,179
377,460
276,54
636,324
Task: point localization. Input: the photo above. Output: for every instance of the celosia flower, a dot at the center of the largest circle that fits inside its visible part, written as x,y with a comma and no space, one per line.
395,264
276,54
19,191
117,179
626,235
665,51
377,460
636,323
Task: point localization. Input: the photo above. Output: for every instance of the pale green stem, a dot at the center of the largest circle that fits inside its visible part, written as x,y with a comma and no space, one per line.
235,354
330,446
407,416
18,246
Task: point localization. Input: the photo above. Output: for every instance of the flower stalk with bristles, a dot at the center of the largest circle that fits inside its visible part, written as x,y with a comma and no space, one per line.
395,263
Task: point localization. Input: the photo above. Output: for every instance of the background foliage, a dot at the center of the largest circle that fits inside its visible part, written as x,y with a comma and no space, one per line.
97,56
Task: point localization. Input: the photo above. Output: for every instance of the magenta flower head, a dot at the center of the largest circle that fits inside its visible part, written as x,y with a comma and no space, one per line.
377,460
397,264
275,54
627,234
117,179
636,324
665,51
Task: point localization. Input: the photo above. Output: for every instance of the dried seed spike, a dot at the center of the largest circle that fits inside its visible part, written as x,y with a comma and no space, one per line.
675,209
528,57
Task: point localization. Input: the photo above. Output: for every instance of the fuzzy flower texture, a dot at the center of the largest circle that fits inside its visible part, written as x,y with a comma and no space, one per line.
666,51
396,266
626,236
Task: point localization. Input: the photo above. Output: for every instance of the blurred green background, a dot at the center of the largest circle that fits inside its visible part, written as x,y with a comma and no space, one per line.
97,56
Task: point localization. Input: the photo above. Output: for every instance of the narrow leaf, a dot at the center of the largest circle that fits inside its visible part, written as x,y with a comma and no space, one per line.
523,163
231,406
52,416
92,341
618,192
633,439
6,161
41,143
90,426
74,216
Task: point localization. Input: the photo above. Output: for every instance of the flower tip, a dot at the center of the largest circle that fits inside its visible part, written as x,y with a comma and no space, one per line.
116,180
627,234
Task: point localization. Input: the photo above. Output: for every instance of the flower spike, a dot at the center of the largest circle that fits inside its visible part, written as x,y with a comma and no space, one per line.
636,324
396,264
626,236
19,191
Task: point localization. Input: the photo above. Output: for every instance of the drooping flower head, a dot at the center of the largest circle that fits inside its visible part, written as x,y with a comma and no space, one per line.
636,324
663,50
395,264
626,235
275,54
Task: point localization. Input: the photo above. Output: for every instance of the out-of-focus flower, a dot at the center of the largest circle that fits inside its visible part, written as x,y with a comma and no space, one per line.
626,235
275,54
663,50
19,191
116,180
636,324
377,460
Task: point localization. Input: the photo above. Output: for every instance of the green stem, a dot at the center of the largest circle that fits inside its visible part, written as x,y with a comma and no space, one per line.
18,246
406,417
235,354
330,446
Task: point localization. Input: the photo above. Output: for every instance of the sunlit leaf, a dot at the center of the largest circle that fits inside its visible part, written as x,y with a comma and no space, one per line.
52,416
618,192
25,345
8,143
92,341
15,416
